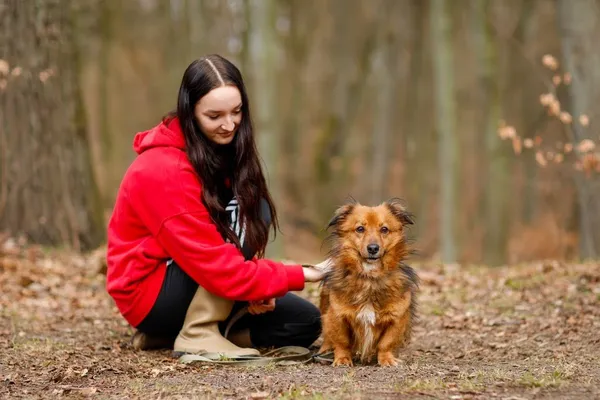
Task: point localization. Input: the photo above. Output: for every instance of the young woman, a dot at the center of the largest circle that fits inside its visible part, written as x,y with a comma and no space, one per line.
190,225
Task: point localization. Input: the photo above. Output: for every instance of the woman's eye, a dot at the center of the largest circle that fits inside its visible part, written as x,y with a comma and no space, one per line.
213,117
360,229
236,112
384,229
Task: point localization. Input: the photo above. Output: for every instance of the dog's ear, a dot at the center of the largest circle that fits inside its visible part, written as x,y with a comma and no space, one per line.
398,210
340,214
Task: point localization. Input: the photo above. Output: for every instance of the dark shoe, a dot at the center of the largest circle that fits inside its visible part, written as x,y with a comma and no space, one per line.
143,341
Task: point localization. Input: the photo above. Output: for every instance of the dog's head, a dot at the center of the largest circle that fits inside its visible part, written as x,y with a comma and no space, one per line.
370,238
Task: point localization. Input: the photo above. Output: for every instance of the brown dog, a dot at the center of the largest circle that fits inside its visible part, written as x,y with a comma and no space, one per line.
368,295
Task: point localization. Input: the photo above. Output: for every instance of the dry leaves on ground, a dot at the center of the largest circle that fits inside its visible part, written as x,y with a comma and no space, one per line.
520,332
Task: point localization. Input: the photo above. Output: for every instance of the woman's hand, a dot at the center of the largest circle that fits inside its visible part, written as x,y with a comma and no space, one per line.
261,307
324,266
317,272
311,274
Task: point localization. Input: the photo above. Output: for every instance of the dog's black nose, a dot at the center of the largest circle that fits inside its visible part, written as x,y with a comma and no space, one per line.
373,248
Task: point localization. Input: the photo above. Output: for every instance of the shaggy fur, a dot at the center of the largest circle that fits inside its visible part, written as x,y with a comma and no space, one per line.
368,297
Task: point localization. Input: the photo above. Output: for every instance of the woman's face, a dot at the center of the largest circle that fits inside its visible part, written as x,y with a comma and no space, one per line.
219,114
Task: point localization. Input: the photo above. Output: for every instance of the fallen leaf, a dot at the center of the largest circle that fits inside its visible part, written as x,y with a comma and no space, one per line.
4,67
555,108
89,391
517,147
550,62
507,132
584,120
565,117
586,145
567,78
556,79
539,158
546,99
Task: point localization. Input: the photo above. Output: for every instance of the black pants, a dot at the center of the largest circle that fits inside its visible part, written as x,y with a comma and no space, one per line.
294,321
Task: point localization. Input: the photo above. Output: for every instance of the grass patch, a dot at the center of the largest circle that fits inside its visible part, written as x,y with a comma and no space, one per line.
549,379
424,384
39,344
301,392
524,283
437,310
503,304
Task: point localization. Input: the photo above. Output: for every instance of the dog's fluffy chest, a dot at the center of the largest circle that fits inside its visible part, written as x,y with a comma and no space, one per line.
366,319
366,315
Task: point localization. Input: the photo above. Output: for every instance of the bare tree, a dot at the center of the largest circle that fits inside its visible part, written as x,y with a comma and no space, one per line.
105,145
263,43
578,25
496,204
386,75
441,37
419,135
351,52
297,44
530,114
48,190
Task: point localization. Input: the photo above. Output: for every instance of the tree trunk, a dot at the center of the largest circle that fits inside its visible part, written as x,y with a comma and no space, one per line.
105,139
196,22
578,28
48,191
496,205
298,45
386,76
445,112
530,114
330,176
419,138
352,55
263,48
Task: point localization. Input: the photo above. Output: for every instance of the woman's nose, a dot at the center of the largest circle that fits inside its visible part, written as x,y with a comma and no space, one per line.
228,125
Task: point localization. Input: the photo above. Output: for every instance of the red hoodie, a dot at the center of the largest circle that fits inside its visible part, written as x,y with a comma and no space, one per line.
158,215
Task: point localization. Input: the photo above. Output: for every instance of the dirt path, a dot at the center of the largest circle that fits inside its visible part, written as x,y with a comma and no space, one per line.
512,333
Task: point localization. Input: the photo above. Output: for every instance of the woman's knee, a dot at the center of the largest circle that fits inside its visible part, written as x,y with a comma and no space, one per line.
294,322
313,330
307,328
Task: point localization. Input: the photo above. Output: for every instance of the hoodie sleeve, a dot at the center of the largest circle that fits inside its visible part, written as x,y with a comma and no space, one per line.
219,266
170,206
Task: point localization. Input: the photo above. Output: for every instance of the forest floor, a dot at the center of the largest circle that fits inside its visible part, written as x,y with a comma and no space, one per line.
519,332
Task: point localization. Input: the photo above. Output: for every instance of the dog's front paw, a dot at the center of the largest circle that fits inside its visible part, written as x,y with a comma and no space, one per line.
387,359
325,348
342,361
342,357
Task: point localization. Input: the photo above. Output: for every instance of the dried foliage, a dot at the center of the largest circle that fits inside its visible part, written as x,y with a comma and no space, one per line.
584,159
518,332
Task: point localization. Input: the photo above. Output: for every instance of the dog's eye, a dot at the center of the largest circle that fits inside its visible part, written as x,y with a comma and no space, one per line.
384,229
360,229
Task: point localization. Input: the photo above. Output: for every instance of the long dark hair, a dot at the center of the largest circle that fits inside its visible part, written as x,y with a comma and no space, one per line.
236,162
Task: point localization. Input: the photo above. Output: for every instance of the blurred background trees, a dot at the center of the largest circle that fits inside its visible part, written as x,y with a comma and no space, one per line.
480,114
47,188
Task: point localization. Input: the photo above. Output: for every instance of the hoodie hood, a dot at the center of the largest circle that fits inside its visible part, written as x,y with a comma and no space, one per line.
165,134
